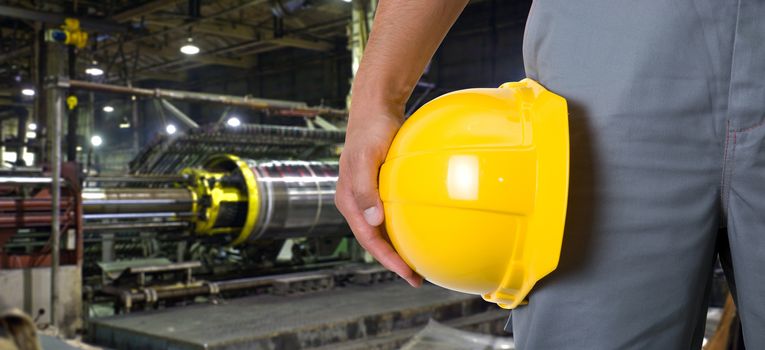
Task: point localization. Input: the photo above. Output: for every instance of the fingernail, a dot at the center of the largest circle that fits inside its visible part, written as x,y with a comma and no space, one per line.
414,282
372,216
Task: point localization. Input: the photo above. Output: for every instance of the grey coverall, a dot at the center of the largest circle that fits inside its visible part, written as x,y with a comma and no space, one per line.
667,114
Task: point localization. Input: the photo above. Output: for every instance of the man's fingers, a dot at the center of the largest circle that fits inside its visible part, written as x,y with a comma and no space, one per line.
384,253
374,215
365,167
371,239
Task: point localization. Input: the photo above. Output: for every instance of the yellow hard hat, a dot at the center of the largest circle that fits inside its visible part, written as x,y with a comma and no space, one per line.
474,188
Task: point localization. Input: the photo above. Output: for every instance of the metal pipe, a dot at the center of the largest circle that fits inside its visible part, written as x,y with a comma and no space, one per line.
24,180
136,215
155,225
21,135
137,178
136,200
196,290
289,108
55,115
72,111
134,125
29,204
186,120
107,247
28,220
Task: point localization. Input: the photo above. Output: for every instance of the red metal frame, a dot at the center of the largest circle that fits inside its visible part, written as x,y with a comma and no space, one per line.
36,212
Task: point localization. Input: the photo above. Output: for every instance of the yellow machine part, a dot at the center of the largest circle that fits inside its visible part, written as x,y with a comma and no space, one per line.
207,184
71,102
475,187
74,36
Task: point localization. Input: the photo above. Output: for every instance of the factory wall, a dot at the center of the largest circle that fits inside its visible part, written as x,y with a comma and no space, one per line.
30,290
483,49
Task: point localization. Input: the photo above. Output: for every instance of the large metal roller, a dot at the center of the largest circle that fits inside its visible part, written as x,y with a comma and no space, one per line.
297,198
232,199
243,200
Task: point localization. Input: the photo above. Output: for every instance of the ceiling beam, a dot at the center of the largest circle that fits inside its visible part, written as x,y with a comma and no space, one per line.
302,44
192,23
115,71
252,60
58,19
143,10
174,55
231,31
177,77
244,32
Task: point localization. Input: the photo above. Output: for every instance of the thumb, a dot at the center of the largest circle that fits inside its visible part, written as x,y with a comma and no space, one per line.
374,215
364,189
368,200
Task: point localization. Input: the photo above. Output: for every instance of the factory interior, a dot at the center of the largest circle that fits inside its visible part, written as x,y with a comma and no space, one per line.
168,169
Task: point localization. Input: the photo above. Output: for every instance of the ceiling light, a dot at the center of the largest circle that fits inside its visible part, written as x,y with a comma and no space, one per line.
233,122
94,70
124,124
32,126
108,109
28,92
96,140
171,129
31,134
347,0
189,48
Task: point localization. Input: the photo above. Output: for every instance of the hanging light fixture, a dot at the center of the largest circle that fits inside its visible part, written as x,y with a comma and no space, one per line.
94,69
234,122
96,140
189,48
125,123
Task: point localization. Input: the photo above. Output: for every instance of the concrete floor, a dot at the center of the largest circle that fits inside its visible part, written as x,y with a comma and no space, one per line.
290,322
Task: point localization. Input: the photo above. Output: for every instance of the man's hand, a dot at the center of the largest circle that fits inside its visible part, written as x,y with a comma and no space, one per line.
357,197
404,37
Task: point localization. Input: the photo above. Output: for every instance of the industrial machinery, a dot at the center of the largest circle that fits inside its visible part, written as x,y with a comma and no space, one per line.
184,223
231,200
237,214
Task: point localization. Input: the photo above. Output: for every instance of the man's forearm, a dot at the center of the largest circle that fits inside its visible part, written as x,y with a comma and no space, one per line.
404,37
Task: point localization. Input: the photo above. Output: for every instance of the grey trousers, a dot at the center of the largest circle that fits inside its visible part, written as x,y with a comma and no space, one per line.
667,121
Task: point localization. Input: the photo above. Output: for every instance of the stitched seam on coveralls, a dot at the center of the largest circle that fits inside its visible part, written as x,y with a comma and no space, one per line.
729,165
750,128
725,181
723,176
732,167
